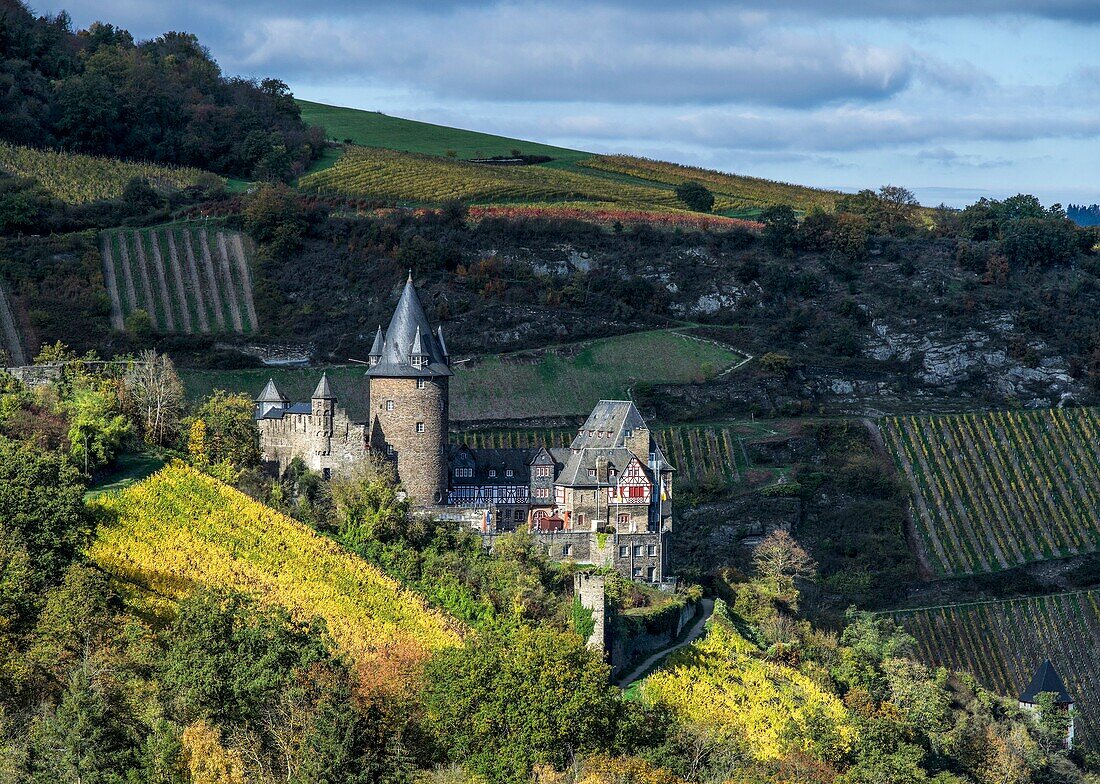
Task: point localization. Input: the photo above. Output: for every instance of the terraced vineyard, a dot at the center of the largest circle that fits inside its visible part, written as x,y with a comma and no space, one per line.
730,190
997,490
188,278
1001,644
181,530
367,172
9,332
701,454
77,179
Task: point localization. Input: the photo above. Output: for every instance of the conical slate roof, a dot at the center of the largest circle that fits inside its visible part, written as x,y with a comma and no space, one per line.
379,342
1046,679
407,323
442,344
271,394
324,389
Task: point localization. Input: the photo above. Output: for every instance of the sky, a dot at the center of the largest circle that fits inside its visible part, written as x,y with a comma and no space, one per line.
954,99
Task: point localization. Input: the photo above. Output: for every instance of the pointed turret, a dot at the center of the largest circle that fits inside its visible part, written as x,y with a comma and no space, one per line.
375,355
324,389
442,344
1046,678
271,399
396,356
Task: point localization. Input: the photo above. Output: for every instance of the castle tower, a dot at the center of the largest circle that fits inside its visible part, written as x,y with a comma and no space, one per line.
270,400
409,378
323,405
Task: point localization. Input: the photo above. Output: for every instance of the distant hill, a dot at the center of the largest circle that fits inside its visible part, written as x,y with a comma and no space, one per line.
181,530
440,157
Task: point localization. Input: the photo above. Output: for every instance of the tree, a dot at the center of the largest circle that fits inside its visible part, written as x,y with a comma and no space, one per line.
780,225
368,506
511,700
1039,242
154,393
275,218
230,429
42,507
780,559
695,195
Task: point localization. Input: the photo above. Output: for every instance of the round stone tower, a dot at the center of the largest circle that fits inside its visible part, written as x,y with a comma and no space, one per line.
409,379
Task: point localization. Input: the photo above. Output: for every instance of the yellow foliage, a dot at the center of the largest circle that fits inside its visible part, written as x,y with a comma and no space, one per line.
773,709
208,761
196,442
77,179
180,530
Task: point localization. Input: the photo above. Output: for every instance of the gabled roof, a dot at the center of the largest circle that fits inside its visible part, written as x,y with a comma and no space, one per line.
578,464
324,389
606,426
1046,679
397,347
271,394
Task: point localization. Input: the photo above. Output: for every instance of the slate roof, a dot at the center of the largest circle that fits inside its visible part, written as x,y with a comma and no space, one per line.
379,342
517,460
324,389
271,394
279,413
575,472
606,426
1046,679
408,323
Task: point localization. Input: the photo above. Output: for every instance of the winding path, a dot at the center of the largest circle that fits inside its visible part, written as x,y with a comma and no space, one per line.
696,632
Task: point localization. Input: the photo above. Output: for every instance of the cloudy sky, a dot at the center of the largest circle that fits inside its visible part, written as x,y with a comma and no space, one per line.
998,98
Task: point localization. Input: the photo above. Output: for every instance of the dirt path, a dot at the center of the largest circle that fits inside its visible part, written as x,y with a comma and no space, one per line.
177,278
127,274
111,279
10,332
230,289
193,279
697,629
246,281
211,278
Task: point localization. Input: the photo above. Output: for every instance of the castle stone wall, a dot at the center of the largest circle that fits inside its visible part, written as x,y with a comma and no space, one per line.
420,455
589,588
328,444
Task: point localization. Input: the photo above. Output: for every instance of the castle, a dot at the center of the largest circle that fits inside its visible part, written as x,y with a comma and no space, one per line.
604,500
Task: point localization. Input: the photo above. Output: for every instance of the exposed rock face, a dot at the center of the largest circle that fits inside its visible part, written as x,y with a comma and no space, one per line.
949,363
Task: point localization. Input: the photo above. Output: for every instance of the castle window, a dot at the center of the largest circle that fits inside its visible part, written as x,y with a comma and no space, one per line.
492,473
652,549
390,450
419,427
628,433
622,519
650,573
326,473
591,473
464,473
582,518
637,551
637,571
542,471
567,549
389,405
624,551
509,473
543,493
421,383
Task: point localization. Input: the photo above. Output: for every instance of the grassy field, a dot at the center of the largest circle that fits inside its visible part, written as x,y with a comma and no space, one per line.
1001,643
1000,489
181,530
129,469
731,191
190,278
374,129
77,179
566,381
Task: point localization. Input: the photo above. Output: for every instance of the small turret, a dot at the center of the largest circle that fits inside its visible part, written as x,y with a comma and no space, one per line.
375,355
324,401
418,357
271,400
1047,679
443,344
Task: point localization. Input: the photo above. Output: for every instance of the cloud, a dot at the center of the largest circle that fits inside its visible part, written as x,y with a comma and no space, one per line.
545,53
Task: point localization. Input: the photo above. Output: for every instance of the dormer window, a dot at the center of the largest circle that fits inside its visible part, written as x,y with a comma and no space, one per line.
421,383
509,473
591,473
492,473
628,433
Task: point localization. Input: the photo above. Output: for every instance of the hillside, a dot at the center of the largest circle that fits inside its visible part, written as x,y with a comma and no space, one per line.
1002,643
188,278
1000,489
181,530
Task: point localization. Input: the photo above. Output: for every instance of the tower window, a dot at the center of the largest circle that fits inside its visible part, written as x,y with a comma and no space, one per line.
628,432
492,473
421,383
419,427
509,473
389,405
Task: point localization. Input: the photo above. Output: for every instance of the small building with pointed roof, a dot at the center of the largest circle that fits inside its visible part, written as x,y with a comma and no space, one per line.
1047,680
